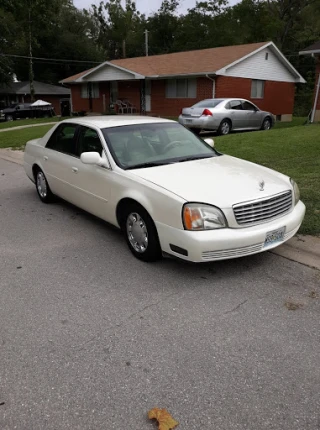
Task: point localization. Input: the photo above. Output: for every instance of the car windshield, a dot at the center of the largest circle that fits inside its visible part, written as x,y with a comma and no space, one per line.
209,103
149,145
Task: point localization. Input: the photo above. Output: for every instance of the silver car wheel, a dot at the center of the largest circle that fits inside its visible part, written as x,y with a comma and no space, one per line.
42,185
9,118
225,127
137,232
266,124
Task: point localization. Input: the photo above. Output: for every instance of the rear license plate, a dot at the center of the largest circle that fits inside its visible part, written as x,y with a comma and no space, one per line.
188,121
274,236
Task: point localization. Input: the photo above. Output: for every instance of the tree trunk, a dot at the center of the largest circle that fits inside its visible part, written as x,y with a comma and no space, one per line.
124,48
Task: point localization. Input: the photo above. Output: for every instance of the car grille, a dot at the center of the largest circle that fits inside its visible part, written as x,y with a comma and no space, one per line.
263,210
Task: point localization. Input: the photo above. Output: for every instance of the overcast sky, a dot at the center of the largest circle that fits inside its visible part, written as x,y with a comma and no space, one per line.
146,6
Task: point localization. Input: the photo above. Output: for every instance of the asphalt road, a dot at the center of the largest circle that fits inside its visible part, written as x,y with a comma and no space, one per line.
91,338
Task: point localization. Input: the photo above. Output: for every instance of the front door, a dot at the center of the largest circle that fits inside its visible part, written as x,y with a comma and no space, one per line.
253,115
237,115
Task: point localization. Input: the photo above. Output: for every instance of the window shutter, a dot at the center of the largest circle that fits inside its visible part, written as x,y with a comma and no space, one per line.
192,88
170,88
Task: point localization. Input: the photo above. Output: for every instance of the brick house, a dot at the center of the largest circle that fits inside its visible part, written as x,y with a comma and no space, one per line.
164,84
19,92
314,50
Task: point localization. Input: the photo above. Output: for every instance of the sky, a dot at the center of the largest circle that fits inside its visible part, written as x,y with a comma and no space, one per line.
146,6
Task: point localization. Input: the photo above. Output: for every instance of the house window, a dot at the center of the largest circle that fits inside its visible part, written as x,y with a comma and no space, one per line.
181,88
257,89
90,86
267,56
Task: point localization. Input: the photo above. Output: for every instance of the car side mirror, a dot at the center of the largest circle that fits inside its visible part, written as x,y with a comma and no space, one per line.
210,142
93,158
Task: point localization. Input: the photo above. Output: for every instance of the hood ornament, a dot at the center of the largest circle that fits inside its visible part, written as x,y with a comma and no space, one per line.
261,185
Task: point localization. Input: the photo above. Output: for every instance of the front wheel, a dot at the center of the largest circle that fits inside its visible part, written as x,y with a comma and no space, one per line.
141,234
225,127
267,124
43,189
9,118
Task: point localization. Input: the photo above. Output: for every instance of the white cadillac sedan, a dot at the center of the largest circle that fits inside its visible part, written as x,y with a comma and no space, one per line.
168,190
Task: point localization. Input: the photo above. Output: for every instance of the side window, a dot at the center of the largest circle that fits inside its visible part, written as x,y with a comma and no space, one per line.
63,139
89,141
235,105
248,106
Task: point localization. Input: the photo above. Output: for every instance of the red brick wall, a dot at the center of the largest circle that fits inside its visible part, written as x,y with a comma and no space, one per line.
79,103
160,105
278,96
130,90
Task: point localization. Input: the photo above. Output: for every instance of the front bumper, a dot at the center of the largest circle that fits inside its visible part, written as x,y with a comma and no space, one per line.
226,243
201,123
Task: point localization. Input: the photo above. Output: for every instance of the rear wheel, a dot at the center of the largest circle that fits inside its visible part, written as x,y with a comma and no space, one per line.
267,124
42,186
141,233
225,127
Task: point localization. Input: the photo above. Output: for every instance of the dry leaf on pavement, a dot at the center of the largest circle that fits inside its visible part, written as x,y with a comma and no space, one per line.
165,420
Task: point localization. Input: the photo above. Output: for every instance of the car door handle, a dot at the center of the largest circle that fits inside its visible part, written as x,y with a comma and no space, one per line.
75,169
45,158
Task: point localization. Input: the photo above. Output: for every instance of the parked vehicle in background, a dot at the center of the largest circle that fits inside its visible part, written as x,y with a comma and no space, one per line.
225,115
25,110
167,189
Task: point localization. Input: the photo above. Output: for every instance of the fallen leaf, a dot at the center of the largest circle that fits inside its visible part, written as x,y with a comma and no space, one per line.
313,294
293,306
165,420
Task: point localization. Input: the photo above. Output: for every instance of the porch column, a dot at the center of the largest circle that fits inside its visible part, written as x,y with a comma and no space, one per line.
143,97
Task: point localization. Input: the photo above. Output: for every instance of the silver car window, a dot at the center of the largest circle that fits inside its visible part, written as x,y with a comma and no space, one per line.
235,105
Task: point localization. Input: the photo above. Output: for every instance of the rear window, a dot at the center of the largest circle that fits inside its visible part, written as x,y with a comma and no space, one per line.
209,103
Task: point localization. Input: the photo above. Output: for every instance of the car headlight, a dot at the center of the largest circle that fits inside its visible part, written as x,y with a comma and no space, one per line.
197,216
296,191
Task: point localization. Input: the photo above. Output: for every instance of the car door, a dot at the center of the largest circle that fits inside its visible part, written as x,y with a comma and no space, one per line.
59,156
92,183
253,117
237,115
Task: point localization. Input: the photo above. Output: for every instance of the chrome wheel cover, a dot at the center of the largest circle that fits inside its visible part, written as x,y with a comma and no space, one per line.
225,127
137,232
267,124
42,185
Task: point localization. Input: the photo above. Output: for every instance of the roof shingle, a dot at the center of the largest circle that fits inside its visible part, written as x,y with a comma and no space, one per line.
183,63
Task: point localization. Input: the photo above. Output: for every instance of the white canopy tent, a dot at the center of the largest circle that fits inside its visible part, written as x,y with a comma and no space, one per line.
40,103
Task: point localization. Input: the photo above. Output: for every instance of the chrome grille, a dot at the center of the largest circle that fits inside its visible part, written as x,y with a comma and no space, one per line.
232,253
263,210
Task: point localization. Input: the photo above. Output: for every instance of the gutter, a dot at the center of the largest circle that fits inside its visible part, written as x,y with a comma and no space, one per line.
213,85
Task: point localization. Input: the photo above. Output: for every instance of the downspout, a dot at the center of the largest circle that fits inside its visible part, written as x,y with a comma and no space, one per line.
315,100
213,86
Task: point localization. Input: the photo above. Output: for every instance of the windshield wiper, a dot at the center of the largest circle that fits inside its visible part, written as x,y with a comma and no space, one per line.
148,164
195,157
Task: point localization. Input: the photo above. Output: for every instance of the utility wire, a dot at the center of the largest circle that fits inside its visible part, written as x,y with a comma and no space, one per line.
50,59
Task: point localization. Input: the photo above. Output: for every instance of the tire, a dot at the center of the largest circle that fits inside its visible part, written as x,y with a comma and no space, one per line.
42,187
140,233
267,124
224,127
9,118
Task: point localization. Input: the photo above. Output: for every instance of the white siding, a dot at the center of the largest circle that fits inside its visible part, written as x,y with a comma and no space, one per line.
257,67
109,73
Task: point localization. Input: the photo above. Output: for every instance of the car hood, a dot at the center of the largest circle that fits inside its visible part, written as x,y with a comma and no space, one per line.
221,181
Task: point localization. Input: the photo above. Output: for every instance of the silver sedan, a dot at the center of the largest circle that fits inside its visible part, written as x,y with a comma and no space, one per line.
225,115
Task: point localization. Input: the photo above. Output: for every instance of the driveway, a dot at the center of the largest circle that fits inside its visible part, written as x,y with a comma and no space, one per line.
92,338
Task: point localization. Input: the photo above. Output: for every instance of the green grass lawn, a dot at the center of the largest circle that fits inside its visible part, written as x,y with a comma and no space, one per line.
19,122
294,151
18,138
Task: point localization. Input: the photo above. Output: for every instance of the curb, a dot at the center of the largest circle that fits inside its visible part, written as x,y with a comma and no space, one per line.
301,249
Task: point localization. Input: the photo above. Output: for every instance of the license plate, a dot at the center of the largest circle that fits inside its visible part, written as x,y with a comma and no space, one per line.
188,121
274,236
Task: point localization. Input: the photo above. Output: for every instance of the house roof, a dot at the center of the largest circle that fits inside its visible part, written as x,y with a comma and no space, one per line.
312,49
181,63
39,88
199,62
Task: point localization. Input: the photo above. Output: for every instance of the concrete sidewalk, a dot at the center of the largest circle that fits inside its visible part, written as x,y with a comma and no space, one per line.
20,127
303,249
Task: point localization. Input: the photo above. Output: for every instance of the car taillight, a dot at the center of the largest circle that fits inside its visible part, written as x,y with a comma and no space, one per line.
206,112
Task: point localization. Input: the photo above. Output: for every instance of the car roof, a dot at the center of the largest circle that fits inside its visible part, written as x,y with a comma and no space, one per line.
116,120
